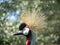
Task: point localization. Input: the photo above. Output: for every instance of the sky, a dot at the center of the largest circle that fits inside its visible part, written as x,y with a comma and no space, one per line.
12,15
1,1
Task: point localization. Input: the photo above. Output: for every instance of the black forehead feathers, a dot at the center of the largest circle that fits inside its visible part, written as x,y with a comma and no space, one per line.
22,26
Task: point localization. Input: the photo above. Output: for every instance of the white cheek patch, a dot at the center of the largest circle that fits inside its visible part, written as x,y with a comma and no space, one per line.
26,31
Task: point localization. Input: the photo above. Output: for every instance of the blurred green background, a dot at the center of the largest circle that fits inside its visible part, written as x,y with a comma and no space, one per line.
49,36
